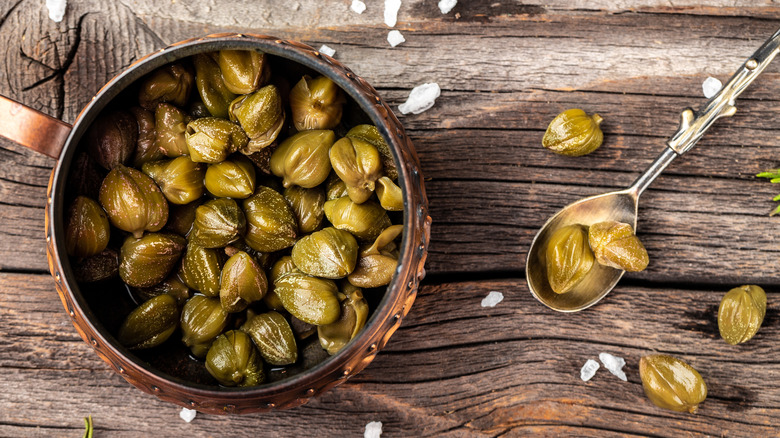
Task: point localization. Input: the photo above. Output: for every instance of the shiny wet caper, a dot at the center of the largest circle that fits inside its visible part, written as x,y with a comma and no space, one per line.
670,383
328,253
133,201
574,133
310,299
273,336
354,312
741,313
179,179
202,320
211,139
150,324
242,282
376,263
316,103
365,221
308,206
303,159
218,223
147,261
233,360
569,258
86,229
271,224
614,244
233,178
201,268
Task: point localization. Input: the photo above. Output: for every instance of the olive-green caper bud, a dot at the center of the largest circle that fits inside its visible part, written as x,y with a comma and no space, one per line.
181,217
111,138
310,299
179,179
316,103
370,134
147,261
234,178
233,360
273,337
170,83
86,230
150,324
671,383
133,201
615,245
170,124
569,258
376,263
328,253
172,286
356,162
145,149
261,115
573,133
217,223
99,267
212,89
391,198
741,313
244,71
242,282
271,224
307,205
211,140
354,312
336,188
280,268
303,158
200,269
202,320
365,221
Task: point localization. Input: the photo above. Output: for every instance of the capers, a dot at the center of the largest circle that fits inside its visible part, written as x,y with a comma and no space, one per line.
218,223
569,258
310,299
376,263
171,83
671,383
243,71
200,269
274,338
170,127
211,86
234,178
370,134
211,139
150,324
329,253
86,230
573,133
741,313
271,224
147,261
303,159
356,162
233,360
242,282
111,138
308,206
145,149
354,312
316,103
133,201
390,196
261,115
179,179
202,320
365,221
614,244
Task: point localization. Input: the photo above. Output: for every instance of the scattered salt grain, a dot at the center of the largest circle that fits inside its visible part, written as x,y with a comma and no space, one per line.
589,370
614,365
56,9
391,11
373,430
445,6
187,414
492,299
358,6
295,6
421,98
711,86
395,38
327,50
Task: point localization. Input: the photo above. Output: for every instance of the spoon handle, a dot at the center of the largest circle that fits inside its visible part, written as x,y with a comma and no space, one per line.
693,125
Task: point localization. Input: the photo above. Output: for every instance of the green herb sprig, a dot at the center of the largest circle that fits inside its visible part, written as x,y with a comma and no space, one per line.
774,177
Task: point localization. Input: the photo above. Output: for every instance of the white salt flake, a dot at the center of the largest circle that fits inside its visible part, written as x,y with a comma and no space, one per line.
373,430
445,6
391,11
589,370
327,50
187,414
358,6
492,299
614,365
295,6
56,9
711,86
395,38
421,98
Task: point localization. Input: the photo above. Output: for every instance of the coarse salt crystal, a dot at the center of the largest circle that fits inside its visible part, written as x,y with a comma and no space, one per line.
711,86
395,38
391,11
614,365
492,299
358,6
327,50
187,414
56,9
589,370
421,98
445,6
373,430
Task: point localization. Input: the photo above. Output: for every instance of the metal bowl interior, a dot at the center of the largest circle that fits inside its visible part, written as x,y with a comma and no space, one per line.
297,389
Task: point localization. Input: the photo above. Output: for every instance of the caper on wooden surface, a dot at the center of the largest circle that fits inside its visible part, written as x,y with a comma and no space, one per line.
233,360
671,383
569,258
150,324
273,336
86,229
741,313
574,133
614,244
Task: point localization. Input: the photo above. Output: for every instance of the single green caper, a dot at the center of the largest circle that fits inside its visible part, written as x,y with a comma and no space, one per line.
273,337
615,245
261,115
111,138
233,360
244,71
200,269
671,383
179,179
218,223
150,324
234,178
391,198
308,206
328,253
211,139
170,83
202,320
86,229
145,149
741,313
310,299
133,201
354,312
303,159
281,267
370,134
316,103
271,224
242,282
356,162
365,221
573,133
147,261
211,86
172,286
569,258
376,264
170,124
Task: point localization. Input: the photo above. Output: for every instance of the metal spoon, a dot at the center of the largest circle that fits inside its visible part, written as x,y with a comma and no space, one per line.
622,205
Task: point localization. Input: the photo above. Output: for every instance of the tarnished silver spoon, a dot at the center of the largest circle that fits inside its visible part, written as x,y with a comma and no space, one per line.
622,205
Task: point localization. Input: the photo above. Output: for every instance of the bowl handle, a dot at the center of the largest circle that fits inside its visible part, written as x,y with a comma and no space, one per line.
31,128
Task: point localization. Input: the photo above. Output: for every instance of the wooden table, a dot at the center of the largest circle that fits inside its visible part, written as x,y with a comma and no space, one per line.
455,368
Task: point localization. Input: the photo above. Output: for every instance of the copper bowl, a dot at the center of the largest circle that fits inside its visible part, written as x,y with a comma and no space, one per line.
61,141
